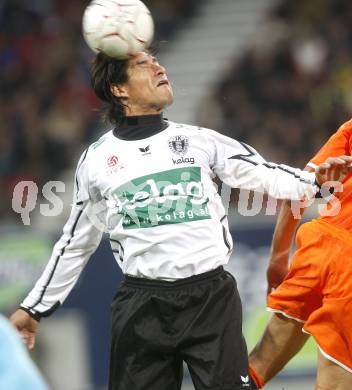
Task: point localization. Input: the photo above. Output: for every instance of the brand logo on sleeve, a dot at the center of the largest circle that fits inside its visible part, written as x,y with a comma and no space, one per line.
167,197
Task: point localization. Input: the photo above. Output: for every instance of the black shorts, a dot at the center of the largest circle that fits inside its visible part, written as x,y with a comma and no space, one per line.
157,325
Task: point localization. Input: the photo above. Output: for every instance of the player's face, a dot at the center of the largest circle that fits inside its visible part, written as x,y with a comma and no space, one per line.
147,90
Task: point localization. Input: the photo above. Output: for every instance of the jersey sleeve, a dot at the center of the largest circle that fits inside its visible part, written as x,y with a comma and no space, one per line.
81,236
240,166
339,144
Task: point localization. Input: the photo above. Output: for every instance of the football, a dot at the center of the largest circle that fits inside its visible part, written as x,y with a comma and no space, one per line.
118,28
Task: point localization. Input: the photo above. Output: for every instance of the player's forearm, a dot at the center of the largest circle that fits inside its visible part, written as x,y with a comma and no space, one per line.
70,254
283,234
284,182
55,283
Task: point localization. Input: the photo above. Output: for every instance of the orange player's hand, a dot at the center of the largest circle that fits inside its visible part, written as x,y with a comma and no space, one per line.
276,272
333,169
26,325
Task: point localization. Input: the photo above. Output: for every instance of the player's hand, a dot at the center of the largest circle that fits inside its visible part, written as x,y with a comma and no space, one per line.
333,169
26,325
276,272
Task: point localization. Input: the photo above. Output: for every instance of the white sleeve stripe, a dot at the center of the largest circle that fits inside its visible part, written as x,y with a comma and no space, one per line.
226,241
57,260
79,166
118,242
274,166
244,157
312,165
117,250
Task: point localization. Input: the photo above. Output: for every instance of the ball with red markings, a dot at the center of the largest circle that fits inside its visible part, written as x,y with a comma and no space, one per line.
118,28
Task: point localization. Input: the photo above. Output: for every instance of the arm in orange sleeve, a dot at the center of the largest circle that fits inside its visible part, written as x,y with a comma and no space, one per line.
284,232
340,143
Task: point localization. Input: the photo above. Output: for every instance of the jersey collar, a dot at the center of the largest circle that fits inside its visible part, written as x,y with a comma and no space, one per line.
134,128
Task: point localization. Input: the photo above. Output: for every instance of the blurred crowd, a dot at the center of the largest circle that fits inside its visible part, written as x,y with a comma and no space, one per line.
293,87
48,112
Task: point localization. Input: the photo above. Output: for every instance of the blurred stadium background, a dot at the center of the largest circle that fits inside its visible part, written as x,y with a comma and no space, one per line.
276,74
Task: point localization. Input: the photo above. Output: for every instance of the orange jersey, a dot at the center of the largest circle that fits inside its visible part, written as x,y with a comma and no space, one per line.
317,291
339,144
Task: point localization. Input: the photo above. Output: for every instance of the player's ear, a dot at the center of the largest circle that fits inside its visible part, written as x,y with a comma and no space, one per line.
118,91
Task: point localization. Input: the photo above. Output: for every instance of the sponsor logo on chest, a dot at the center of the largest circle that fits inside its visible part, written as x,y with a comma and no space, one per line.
167,197
183,160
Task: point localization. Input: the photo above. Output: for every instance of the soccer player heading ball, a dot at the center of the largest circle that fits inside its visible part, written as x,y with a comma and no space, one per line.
153,182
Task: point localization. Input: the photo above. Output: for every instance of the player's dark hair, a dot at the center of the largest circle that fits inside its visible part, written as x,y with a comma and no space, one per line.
105,72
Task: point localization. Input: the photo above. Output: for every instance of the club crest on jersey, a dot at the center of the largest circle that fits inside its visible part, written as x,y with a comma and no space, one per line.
179,144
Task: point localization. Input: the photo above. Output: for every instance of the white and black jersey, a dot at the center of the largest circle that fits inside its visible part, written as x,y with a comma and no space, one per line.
157,200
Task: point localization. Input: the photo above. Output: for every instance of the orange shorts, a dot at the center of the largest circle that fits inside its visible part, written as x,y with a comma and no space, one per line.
318,289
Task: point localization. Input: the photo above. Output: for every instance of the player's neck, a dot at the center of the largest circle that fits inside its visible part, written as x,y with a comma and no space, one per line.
137,127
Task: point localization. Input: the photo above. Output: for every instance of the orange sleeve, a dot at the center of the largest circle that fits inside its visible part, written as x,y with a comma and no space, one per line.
339,144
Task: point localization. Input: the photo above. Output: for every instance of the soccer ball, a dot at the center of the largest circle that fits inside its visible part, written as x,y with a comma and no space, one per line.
117,28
